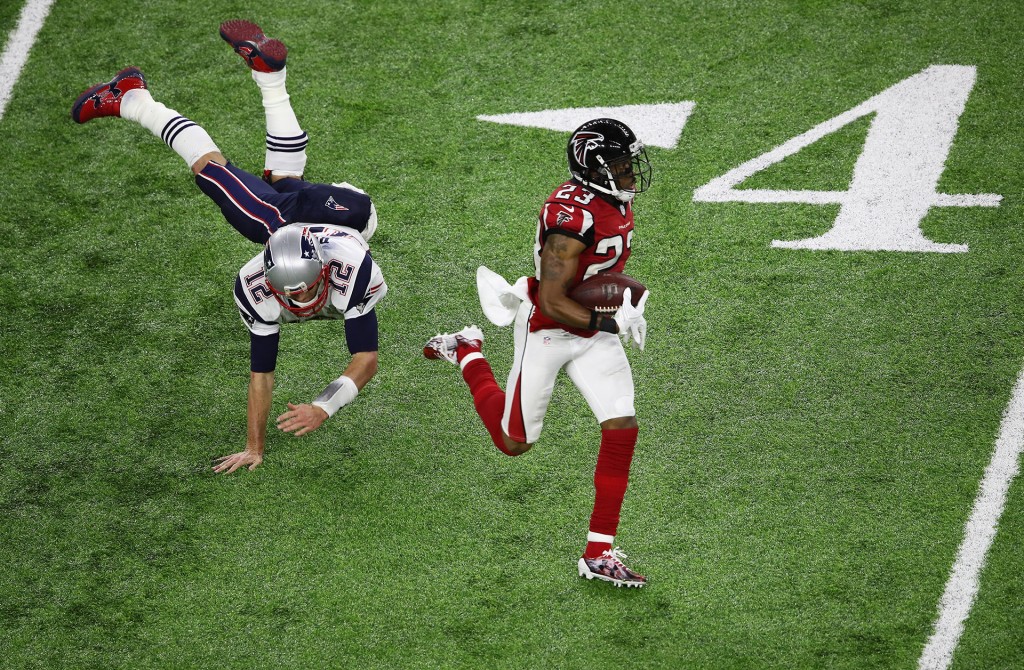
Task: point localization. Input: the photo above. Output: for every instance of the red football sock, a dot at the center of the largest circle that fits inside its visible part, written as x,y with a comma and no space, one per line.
488,398
610,480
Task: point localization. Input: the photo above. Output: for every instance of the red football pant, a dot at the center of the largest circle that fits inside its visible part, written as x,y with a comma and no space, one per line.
610,480
488,398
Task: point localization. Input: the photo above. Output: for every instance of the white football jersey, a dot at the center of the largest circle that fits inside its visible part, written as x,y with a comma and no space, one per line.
355,281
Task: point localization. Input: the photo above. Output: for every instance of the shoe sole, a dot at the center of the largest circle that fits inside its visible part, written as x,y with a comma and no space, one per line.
76,108
239,33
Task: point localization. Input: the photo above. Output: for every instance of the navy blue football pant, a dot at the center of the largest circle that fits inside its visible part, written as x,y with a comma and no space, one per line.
256,209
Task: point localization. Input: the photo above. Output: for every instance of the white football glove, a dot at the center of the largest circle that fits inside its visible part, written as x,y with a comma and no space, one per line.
631,321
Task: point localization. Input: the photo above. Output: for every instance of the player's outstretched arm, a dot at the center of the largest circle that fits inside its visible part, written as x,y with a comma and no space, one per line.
261,390
307,417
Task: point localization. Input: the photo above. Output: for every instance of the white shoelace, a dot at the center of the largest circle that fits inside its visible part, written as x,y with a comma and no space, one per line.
615,554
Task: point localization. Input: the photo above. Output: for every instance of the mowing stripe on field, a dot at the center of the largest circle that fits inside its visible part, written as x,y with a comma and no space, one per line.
19,43
962,587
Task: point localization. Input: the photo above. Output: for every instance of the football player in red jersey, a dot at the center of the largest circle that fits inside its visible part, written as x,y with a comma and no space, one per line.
585,227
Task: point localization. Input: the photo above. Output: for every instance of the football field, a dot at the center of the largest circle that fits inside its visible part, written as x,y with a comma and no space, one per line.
830,418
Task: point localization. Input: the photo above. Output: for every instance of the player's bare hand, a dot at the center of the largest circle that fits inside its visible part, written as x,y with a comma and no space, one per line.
301,419
229,464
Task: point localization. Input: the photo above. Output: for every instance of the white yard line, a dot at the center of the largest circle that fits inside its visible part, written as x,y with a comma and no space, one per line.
19,43
962,587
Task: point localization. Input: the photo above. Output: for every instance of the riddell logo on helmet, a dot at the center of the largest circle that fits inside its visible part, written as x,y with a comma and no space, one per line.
584,142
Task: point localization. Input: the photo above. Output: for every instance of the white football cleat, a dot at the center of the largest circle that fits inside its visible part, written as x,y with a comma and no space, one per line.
609,567
442,345
446,345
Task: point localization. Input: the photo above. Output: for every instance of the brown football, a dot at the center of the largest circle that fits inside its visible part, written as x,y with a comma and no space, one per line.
603,292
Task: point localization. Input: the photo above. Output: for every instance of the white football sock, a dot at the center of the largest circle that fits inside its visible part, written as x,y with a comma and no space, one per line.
286,141
186,137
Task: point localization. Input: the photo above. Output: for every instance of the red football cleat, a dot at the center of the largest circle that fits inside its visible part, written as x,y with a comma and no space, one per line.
258,51
105,99
446,345
609,567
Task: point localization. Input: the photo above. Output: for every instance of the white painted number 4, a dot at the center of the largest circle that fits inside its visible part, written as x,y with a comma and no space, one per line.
896,176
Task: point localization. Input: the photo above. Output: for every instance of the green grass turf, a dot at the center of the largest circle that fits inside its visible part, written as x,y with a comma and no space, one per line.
814,425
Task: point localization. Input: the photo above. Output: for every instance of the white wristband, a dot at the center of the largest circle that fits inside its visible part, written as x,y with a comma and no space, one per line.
338,393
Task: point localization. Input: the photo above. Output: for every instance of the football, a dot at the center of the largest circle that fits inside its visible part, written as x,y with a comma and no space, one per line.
603,292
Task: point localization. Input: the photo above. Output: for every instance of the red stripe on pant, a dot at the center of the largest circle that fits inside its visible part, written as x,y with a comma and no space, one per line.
241,198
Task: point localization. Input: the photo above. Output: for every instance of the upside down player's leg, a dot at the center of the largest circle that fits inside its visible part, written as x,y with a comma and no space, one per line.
250,205
285,140
127,96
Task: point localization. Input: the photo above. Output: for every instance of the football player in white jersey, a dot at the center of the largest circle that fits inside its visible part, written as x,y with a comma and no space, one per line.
316,263
585,227
305,272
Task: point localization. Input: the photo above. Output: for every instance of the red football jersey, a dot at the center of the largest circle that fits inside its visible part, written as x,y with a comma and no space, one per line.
606,229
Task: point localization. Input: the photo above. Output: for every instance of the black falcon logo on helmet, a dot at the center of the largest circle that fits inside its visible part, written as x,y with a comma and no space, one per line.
584,142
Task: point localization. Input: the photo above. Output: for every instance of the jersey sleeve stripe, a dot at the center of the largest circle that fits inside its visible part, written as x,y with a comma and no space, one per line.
362,281
588,221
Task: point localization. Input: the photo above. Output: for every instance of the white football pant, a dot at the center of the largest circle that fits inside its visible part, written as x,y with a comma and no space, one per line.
596,365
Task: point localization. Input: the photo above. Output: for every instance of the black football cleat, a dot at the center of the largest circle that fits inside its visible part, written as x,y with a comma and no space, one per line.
105,99
259,52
